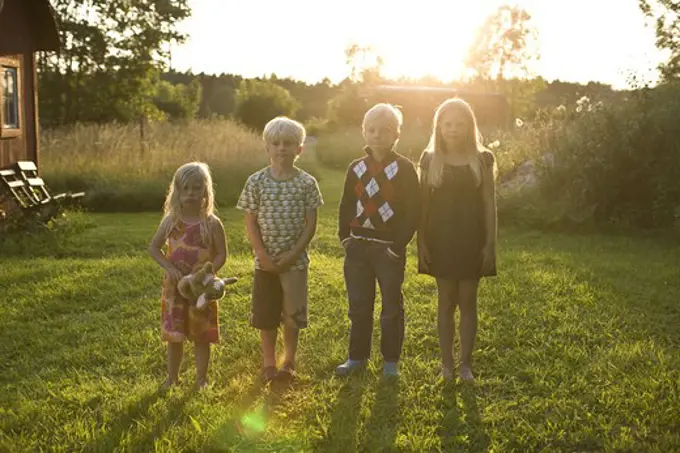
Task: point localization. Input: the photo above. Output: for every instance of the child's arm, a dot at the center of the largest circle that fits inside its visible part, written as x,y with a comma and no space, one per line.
287,259
255,238
425,202
425,196
156,252
490,212
249,201
412,210
347,208
313,200
219,240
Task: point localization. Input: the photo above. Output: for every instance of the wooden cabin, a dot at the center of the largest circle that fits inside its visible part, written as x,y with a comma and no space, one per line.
26,26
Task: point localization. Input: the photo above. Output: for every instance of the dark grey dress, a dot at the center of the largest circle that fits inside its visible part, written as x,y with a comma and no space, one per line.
455,228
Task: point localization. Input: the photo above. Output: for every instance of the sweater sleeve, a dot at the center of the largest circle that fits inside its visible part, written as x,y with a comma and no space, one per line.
347,206
406,228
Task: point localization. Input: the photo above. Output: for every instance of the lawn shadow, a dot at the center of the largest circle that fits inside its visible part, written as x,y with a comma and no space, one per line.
462,428
129,418
341,433
476,431
452,424
383,424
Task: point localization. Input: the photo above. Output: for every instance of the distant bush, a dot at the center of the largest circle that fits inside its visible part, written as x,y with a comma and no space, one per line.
258,101
609,164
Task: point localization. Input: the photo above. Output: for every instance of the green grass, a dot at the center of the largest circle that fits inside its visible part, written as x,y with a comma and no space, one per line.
578,350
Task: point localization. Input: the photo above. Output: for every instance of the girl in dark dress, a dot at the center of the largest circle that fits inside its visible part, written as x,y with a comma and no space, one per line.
457,236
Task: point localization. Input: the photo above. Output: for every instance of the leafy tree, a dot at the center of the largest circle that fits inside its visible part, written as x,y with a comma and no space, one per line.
501,56
365,64
178,102
505,45
666,14
348,106
108,66
258,101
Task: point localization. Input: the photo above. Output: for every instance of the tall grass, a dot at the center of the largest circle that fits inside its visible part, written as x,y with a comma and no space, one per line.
120,172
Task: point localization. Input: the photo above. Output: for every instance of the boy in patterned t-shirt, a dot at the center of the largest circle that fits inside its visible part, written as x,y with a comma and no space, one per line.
281,204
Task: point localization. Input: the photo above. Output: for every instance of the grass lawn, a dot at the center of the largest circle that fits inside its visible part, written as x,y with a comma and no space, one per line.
578,350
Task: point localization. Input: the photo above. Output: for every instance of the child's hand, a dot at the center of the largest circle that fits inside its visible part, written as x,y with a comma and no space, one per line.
392,255
424,255
266,263
173,274
284,261
488,256
347,242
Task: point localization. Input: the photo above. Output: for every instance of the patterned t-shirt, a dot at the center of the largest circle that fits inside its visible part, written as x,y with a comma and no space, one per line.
280,206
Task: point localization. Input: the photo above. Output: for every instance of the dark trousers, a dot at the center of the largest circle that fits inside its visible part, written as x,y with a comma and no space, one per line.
366,262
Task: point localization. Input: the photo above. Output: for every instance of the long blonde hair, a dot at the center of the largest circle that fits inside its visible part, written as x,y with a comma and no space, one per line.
172,208
436,147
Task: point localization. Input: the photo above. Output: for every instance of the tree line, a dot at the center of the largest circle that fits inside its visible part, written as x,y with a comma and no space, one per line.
113,67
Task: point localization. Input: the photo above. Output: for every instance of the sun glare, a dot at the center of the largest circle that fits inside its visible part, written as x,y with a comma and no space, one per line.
416,39
430,40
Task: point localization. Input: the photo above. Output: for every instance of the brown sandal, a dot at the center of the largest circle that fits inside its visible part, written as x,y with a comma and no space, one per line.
286,372
269,373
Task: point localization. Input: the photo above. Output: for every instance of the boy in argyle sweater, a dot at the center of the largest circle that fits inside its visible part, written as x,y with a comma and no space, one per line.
378,217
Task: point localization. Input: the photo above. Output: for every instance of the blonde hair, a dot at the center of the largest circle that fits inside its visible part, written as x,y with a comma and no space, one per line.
284,127
384,111
172,208
473,143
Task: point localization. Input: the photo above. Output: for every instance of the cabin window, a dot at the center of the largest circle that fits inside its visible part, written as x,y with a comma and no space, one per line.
10,97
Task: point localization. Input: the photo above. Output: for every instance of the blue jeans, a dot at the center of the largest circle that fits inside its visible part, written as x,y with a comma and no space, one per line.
366,262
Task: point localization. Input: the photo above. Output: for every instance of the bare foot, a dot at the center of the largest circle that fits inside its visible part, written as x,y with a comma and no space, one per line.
168,384
447,373
465,373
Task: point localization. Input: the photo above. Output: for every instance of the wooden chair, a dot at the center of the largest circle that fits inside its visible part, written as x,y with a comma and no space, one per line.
16,188
29,174
27,189
41,194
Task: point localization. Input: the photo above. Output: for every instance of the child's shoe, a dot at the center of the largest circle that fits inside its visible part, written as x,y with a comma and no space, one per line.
286,372
350,367
391,369
269,373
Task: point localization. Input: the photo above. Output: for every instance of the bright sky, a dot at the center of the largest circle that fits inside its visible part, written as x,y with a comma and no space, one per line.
580,40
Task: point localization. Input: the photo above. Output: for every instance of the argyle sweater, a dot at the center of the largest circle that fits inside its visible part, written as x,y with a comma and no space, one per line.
380,201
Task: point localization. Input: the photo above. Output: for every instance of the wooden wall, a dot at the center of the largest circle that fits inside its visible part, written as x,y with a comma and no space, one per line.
20,144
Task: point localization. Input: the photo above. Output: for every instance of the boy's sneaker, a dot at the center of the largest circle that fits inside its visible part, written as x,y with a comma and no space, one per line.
350,367
391,369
